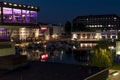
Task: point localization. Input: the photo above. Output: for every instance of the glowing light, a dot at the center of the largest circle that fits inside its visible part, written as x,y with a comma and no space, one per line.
24,6
2,29
32,7
10,4
118,53
115,18
111,47
115,73
74,36
44,56
5,3
43,28
20,5
109,25
54,35
14,4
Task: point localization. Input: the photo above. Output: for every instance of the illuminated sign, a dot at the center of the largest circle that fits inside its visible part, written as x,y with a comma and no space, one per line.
43,27
44,56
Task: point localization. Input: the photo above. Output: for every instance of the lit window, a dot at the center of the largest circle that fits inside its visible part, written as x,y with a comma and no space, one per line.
7,14
115,18
100,25
109,25
95,25
5,3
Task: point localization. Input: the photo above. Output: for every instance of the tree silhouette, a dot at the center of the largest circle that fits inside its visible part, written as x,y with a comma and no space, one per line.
67,29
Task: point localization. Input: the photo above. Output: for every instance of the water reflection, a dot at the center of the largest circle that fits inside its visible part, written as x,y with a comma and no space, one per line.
75,57
58,51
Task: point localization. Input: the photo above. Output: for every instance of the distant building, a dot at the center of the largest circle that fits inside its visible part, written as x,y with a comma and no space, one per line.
93,22
51,31
18,21
92,28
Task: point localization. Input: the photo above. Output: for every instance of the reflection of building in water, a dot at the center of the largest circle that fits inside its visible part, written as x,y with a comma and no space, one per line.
90,39
87,45
17,20
94,36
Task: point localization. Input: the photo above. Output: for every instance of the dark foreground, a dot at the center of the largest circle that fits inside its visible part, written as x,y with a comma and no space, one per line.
49,71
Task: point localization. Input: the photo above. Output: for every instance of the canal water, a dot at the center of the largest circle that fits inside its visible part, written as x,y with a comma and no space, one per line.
73,57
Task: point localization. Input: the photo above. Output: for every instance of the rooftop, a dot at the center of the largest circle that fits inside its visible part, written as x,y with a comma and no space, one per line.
49,71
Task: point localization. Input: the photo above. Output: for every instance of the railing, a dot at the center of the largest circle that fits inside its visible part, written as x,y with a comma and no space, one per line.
102,75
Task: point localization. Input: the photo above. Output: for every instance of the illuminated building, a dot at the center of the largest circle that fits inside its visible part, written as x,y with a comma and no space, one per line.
17,21
92,28
96,27
51,31
93,22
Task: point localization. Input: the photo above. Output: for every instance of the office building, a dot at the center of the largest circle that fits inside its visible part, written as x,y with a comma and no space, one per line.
93,22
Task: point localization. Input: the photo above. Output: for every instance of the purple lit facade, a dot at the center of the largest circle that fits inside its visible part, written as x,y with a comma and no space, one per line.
14,17
17,13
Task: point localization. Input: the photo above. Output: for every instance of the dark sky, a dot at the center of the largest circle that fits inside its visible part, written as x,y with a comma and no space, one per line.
60,11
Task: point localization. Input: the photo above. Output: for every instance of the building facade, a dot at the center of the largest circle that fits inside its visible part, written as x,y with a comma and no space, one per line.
18,21
93,22
96,27
93,28
51,31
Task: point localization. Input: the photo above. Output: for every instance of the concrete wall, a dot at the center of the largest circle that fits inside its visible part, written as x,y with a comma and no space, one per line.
6,49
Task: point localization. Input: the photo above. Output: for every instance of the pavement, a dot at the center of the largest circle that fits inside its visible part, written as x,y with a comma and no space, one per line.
114,75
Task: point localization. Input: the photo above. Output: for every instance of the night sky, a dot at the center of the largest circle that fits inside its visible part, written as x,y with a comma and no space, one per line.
60,11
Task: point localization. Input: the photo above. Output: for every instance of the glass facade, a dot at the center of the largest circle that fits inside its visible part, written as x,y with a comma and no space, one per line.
17,16
33,16
12,15
0,14
25,16
7,15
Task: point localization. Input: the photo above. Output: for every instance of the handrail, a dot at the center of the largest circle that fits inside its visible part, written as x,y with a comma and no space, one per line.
96,74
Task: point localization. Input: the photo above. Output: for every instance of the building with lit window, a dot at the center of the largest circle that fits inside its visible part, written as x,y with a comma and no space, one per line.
93,22
51,31
18,21
96,27
92,28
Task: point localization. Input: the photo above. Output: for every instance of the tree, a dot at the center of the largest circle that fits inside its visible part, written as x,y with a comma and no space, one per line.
67,29
80,27
102,56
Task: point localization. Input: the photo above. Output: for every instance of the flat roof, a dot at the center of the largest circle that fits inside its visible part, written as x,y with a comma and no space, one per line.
51,71
19,6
